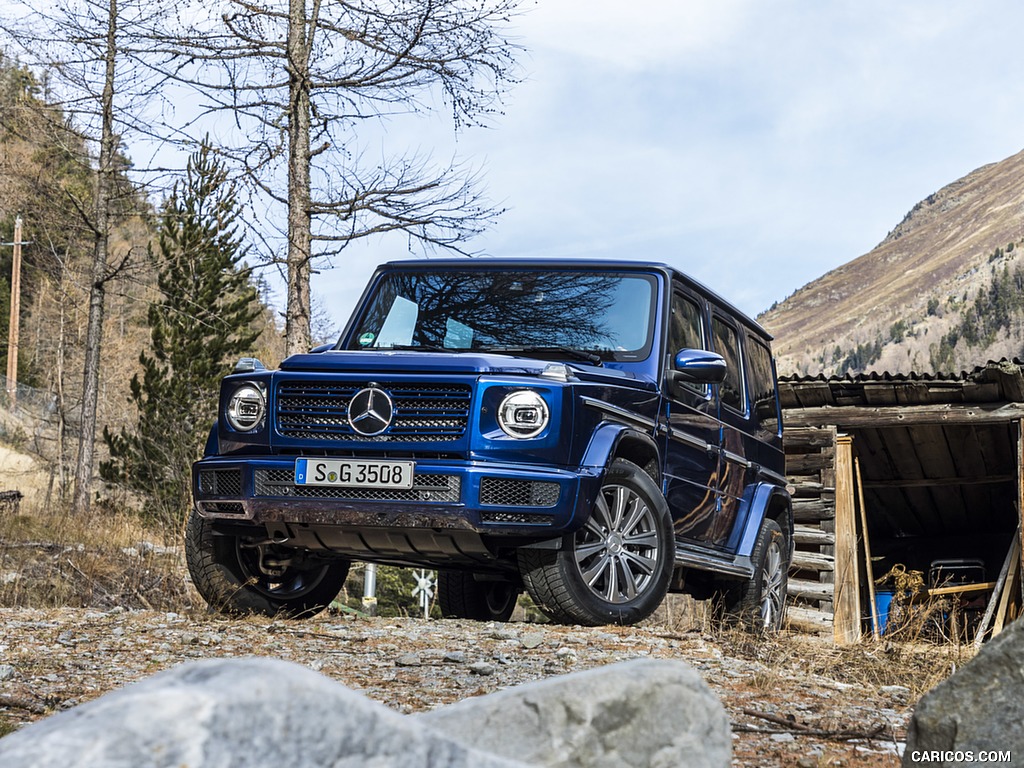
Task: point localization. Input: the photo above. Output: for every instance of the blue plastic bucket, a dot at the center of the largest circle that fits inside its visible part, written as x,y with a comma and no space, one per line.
882,602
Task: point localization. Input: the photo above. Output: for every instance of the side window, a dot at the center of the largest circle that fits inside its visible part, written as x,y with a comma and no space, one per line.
762,383
685,331
684,328
727,344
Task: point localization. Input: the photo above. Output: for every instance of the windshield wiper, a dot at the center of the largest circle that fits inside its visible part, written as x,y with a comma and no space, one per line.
578,354
416,348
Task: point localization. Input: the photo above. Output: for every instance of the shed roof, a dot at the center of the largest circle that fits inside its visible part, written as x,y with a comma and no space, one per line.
939,451
995,382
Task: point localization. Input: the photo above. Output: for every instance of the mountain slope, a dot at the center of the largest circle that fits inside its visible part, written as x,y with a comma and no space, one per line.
941,293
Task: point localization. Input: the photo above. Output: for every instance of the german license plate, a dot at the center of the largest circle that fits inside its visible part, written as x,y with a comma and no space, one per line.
354,473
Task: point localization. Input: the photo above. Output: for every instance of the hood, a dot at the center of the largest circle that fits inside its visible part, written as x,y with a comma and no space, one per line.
404,361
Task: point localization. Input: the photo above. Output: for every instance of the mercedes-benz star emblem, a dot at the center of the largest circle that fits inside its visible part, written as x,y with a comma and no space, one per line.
370,411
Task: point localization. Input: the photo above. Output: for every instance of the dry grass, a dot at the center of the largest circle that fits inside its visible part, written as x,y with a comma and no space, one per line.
50,558
910,663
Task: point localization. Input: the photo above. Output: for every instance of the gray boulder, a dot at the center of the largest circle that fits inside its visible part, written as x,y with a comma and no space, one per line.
978,709
264,713
643,713
239,713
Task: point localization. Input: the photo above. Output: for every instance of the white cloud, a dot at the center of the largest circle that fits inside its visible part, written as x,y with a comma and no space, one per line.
633,36
756,145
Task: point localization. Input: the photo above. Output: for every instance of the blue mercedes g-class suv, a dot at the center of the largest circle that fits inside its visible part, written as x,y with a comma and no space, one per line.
594,432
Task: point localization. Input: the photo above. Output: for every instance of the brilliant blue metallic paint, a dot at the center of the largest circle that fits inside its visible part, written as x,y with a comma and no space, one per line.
593,414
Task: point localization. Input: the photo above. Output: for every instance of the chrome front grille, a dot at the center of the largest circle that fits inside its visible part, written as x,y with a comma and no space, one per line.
423,412
281,482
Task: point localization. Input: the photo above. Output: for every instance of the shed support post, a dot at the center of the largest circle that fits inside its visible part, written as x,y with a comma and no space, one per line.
846,622
1020,497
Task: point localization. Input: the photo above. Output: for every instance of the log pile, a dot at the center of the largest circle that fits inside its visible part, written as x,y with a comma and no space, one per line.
810,469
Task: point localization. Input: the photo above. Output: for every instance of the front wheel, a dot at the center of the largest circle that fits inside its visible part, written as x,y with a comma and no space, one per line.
759,603
462,596
237,575
616,568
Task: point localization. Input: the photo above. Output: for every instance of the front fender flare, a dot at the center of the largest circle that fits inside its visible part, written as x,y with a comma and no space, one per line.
609,438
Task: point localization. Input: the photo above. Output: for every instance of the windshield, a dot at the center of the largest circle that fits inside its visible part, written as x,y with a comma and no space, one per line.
588,315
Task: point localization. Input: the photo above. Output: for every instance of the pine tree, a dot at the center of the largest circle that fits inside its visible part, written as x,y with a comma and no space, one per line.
202,323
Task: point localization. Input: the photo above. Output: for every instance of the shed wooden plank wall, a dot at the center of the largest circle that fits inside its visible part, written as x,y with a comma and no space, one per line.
810,468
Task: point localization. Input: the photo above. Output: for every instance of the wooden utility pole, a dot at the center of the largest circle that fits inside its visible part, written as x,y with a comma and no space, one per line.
14,329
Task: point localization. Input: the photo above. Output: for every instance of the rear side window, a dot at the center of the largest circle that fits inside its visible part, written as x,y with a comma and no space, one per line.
762,383
727,344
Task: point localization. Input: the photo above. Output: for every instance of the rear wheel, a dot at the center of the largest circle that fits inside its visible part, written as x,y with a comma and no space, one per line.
241,575
759,603
461,595
616,568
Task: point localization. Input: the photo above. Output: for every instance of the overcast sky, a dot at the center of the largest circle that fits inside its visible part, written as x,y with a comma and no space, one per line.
755,145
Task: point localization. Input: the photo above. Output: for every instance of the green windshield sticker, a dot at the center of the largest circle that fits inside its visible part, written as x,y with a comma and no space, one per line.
366,339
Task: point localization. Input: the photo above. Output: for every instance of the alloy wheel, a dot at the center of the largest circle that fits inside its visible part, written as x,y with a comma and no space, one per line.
773,586
617,552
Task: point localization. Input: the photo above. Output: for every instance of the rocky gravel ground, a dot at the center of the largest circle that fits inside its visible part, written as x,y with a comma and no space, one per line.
792,700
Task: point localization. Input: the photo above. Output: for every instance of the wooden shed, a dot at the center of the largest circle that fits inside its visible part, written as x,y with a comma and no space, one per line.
924,469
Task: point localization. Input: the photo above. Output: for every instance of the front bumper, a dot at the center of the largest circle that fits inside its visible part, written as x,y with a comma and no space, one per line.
489,499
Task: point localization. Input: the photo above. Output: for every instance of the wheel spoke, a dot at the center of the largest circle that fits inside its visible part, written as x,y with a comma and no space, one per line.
646,539
628,590
594,529
645,565
584,551
638,514
601,519
594,572
611,589
622,498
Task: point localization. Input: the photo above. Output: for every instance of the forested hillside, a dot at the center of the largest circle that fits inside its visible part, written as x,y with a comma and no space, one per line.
46,179
943,292
281,105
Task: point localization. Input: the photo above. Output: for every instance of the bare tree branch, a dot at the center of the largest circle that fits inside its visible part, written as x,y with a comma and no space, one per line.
299,78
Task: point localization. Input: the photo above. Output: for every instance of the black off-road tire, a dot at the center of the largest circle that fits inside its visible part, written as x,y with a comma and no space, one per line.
758,604
231,575
461,596
614,570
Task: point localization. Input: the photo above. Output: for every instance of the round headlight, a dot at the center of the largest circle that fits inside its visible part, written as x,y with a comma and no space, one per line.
523,414
246,408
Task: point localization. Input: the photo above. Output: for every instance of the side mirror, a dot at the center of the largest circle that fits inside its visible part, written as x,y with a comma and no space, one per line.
248,365
699,366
